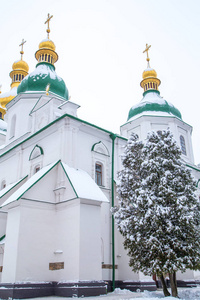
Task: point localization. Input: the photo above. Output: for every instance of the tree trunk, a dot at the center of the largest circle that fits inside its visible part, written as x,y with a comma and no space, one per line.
173,283
164,286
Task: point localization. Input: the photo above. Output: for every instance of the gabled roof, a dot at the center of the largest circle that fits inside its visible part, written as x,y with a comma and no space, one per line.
82,184
9,187
29,183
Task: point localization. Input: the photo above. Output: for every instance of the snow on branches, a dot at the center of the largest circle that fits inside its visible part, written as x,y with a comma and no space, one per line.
158,213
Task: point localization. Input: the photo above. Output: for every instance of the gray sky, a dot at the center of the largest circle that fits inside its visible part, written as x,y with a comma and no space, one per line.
100,45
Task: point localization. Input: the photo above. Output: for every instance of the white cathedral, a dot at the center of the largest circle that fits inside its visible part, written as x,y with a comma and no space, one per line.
58,184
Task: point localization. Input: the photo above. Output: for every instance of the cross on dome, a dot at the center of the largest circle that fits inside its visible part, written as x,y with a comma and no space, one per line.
146,50
21,45
47,22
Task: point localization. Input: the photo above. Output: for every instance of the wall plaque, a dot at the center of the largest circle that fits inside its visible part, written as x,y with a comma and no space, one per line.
56,266
108,266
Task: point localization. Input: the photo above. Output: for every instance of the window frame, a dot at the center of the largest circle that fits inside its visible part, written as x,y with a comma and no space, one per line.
99,174
183,145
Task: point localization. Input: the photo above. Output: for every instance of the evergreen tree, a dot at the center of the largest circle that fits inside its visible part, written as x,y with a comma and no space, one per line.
158,213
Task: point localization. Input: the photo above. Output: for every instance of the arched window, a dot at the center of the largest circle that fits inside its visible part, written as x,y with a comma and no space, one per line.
183,147
12,127
98,174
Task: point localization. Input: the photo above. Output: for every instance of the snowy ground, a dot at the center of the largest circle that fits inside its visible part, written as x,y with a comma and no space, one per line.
184,294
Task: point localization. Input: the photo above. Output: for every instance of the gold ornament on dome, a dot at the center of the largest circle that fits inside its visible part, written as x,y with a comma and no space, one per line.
46,52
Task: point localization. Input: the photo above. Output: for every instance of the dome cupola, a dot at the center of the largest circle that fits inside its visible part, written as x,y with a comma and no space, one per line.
150,81
152,103
46,52
44,76
19,70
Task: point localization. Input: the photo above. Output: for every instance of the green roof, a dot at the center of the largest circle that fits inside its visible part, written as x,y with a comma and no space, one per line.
39,79
155,104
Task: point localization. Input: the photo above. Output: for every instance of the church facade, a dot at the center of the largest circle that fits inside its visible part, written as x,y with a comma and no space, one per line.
57,184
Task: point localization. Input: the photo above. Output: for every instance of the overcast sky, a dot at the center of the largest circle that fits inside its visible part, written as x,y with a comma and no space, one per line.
100,45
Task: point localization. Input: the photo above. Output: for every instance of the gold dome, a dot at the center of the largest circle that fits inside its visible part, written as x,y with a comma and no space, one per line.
150,81
20,65
48,44
46,52
19,70
149,72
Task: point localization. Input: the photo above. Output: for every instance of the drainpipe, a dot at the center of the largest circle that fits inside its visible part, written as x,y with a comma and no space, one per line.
113,137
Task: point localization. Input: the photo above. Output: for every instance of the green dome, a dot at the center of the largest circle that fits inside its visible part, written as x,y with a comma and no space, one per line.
38,80
154,104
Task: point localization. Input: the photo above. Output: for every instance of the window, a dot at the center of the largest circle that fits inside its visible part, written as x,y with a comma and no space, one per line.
183,147
37,168
98,174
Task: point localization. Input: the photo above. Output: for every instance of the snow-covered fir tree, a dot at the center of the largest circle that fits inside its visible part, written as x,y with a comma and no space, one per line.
158,213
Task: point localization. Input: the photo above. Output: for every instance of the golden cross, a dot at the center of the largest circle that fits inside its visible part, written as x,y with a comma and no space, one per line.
21,45
47,22
146,50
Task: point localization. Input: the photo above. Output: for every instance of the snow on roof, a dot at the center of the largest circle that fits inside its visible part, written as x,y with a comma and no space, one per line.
84,185
42,71
28,184
151,113
10,187
12,92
